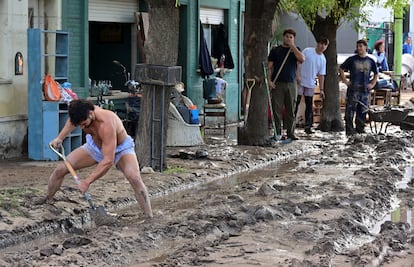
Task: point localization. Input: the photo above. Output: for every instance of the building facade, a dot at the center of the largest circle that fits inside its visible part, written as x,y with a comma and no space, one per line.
101,31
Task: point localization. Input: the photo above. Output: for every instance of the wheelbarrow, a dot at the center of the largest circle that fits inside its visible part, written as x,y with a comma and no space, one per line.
386,116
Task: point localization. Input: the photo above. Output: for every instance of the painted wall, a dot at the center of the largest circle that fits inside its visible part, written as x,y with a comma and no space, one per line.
13,88
15,18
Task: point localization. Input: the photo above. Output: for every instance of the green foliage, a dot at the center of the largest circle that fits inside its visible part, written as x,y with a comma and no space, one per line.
337,10
174,170
11,198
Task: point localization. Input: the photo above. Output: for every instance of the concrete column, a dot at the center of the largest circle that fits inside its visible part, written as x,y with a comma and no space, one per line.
398,31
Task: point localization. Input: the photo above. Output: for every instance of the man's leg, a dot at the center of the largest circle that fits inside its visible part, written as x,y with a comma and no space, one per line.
350,108
128,164
278,96
79,159
308,114
290,103
361,113
299,98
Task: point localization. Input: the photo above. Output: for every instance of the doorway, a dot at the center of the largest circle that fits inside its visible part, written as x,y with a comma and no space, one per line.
109,41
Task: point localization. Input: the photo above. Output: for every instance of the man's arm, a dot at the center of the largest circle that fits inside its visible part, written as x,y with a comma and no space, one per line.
107,133
373,82
300,57
66,130
269,74
374,69
342,77
321,81
299,73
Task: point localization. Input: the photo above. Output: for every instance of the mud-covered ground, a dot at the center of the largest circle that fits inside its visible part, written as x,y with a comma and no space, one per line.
324,200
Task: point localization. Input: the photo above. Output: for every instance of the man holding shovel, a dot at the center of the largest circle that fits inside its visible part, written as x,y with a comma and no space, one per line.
282,65
107,143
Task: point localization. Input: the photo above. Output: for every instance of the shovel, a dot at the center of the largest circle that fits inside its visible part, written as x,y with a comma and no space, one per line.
97,213
250,84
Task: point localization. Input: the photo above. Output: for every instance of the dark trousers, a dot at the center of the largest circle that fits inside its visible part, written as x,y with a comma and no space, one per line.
284,95
308,109
356,104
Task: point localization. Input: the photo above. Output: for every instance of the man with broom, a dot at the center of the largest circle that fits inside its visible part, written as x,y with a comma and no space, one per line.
282,65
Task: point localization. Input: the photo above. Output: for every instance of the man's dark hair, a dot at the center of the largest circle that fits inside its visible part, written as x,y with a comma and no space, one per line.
363,42
323,40
79,110
289,31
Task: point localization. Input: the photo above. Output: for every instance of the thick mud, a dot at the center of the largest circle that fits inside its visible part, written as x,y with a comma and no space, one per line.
324,200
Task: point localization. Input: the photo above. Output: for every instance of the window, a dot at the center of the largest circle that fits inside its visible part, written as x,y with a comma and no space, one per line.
211,19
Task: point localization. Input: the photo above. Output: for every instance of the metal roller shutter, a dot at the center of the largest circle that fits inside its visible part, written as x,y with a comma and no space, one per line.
211,16
113,10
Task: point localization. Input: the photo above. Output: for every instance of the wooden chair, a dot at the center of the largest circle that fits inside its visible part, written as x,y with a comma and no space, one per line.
381,97
385,96
215,110
214,105
403,84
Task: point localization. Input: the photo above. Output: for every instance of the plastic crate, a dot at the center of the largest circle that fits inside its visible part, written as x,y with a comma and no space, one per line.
157,74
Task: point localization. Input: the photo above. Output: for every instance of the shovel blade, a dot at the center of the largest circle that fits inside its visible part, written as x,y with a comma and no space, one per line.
101,217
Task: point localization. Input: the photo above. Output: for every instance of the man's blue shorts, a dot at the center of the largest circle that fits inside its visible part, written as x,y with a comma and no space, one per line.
127,147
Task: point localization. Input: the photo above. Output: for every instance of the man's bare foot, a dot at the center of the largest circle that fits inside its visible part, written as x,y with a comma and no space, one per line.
147,219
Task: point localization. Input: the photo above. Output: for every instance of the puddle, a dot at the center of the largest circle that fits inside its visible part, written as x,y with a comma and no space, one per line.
399,213
39,242
408,176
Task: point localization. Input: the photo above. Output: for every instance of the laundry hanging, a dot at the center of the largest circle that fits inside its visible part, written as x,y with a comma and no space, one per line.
221,47
204,59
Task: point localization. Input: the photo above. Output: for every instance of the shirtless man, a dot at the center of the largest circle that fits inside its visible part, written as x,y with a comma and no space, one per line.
107,143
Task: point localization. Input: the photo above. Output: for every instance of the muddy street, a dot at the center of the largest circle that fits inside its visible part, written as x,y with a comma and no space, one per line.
325,201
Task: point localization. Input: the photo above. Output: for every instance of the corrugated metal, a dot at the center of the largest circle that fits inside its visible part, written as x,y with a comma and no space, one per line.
211,16
113,10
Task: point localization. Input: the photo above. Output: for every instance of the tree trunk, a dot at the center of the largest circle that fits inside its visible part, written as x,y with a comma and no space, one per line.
161,48
331,118
258,31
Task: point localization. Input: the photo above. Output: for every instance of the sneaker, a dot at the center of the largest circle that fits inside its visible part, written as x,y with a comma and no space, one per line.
293,137
350,133
278,137
308,130
285,140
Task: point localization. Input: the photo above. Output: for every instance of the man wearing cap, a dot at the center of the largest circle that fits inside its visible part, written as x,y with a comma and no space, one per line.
379,53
